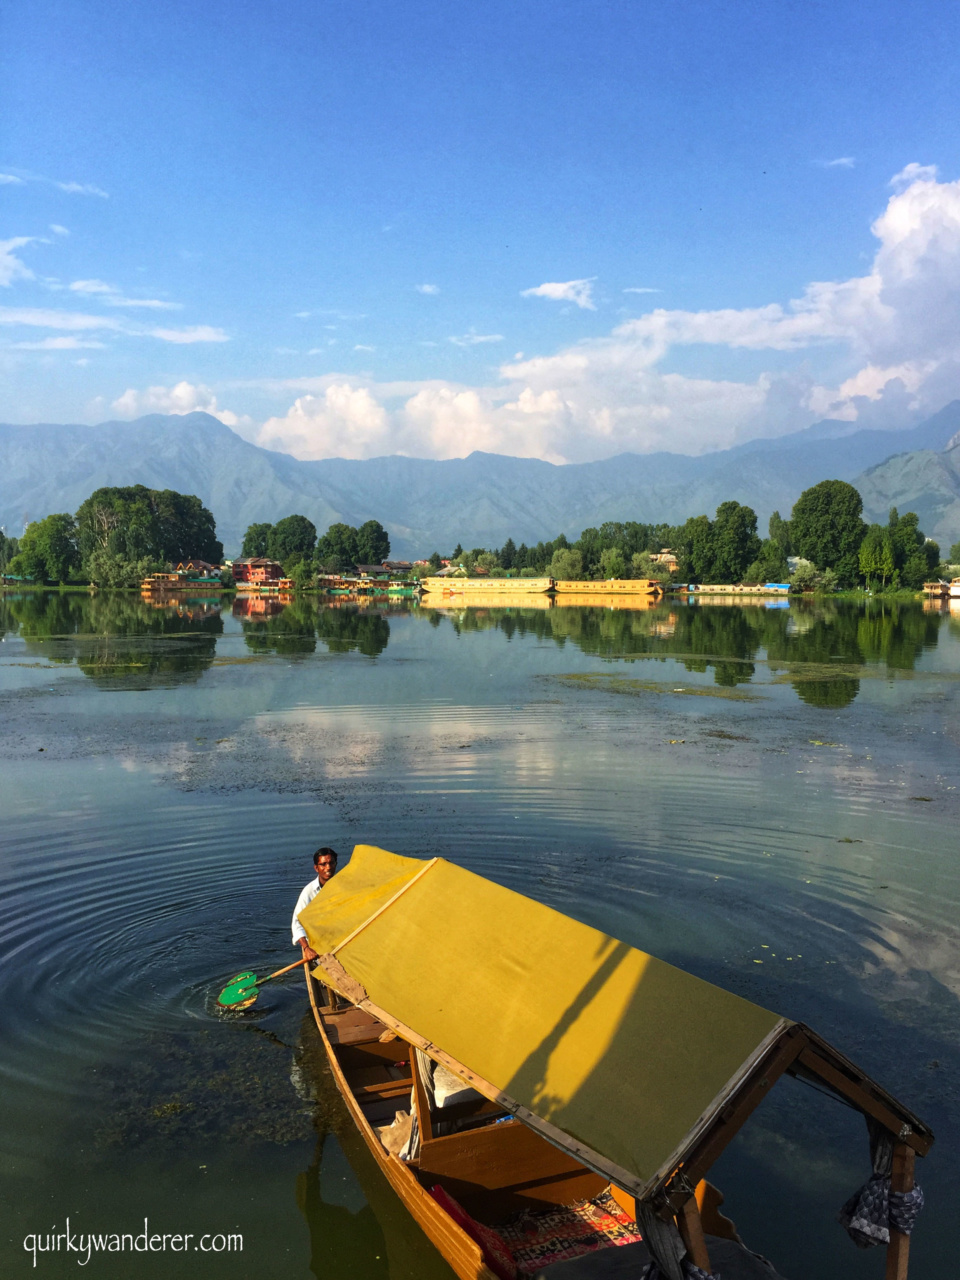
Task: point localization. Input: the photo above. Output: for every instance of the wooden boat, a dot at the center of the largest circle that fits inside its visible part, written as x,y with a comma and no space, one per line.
955,588
609,587
480,588
534,1065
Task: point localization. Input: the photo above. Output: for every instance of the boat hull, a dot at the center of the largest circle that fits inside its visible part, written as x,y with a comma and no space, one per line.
609,587
453,1243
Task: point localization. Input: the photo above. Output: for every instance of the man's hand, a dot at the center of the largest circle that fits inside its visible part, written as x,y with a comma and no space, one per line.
308,951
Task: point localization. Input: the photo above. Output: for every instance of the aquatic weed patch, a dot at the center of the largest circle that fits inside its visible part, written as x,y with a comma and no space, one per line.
604,683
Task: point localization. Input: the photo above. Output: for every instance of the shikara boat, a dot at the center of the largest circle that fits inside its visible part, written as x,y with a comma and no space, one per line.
609,587
535,1090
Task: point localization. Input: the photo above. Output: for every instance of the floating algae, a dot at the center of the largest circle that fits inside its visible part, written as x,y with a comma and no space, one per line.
637,688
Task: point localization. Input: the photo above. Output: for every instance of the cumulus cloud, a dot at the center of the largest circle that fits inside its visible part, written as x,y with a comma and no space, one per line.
579,292
179,399
344,421
57,230
82,189
841,162
10,180
195,333
11,267
428,288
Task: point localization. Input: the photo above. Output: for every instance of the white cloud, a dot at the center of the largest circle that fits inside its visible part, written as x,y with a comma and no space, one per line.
195,333
57,230
473,339
10,180
180,399
642,290
428,288
114,298
345,421
576,291
63,343
11,267
302,315
914,173
42,318
82,189
841,162
362,346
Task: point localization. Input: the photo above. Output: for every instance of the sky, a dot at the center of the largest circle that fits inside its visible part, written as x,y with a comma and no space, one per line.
562,230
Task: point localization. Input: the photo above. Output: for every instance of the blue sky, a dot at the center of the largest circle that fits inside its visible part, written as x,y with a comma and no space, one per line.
560,230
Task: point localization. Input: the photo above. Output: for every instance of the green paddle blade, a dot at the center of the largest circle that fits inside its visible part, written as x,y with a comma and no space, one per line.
241,989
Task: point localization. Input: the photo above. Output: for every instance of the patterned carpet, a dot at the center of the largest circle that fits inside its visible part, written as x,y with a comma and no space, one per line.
537,1238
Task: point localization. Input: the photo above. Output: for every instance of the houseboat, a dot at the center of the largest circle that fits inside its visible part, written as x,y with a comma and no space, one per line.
609,587
482,588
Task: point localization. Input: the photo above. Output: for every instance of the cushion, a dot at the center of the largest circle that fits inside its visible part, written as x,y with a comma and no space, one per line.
495,1252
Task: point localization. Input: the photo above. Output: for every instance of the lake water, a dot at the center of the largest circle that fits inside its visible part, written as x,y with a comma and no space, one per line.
765,796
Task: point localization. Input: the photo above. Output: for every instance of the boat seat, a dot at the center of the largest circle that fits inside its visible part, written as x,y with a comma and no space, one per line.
727,1258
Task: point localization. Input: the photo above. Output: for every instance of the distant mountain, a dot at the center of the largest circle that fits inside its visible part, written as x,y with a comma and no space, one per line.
427,505
926,482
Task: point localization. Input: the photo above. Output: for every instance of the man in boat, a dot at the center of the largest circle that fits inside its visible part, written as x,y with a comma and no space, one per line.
325,865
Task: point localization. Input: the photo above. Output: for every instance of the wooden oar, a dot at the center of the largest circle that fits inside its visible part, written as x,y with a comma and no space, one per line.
241,990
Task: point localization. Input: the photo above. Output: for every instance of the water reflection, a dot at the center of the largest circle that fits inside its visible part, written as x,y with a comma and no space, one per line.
118,639
294,629
822,648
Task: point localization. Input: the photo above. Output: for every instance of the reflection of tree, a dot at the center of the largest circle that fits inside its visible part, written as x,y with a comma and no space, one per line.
295,629
119,640
832,635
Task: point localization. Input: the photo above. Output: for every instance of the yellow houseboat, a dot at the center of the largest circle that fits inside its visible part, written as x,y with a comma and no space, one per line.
480,588
535,1090
610,587
163,582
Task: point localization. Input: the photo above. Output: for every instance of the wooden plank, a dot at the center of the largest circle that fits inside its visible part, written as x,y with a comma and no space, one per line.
753,1089
901,1179
863,1098
386,1089
691,1233
505,1166
421,1101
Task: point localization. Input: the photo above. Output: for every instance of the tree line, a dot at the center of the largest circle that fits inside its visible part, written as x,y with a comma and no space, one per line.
294,543
117,537
825,531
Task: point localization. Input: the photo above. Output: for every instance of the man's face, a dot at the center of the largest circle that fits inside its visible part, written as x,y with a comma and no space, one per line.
326,866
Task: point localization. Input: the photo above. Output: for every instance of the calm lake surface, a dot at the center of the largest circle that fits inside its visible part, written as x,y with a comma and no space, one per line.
765,796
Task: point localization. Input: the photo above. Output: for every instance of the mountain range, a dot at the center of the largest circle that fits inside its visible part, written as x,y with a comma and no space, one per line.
483,499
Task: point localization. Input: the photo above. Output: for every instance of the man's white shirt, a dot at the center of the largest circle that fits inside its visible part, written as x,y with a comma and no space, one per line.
307,894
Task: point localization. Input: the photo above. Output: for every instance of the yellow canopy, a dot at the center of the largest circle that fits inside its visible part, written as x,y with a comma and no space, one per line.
606,1044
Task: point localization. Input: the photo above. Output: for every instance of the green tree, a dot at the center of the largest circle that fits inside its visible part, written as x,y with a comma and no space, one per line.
612,563
827,529
293,538
779,532
436,562
134,523
876,557
955,553
770,565
916,557
48,549
488,560
693,547
257,539
456,553
735,541
508,555
566,564
8,549
373,543
303,576
337,549
107,569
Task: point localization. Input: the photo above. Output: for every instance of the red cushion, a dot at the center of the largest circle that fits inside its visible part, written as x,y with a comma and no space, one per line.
495,1252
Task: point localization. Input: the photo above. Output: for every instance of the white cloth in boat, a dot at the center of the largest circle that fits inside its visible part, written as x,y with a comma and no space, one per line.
307,894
